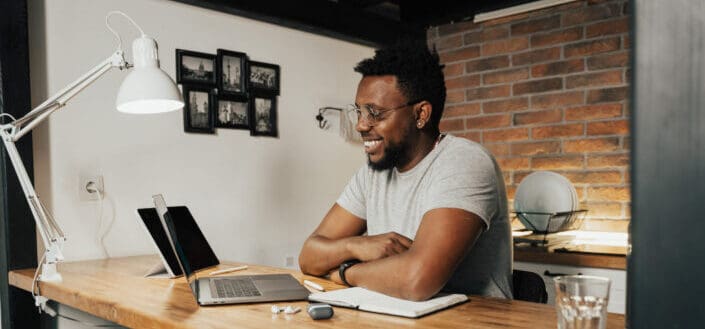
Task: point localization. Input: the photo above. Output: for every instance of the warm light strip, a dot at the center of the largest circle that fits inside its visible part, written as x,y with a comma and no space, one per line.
536,5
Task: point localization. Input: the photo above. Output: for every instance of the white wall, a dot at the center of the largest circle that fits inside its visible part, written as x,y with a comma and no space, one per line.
256,199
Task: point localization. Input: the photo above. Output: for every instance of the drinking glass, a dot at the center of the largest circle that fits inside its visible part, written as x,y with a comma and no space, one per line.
581,301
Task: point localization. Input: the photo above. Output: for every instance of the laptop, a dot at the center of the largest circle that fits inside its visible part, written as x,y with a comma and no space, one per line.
237,289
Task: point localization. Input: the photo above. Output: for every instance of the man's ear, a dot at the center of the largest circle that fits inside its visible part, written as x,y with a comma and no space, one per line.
423,113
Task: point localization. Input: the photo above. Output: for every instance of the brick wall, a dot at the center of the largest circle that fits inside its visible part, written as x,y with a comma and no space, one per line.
547,90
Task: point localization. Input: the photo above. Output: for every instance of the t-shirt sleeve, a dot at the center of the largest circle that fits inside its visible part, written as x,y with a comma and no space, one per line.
354,196
468,181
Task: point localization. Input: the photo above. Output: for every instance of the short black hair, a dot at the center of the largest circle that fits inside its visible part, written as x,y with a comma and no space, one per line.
417,69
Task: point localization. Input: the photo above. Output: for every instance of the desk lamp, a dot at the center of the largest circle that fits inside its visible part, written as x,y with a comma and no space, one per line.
147,89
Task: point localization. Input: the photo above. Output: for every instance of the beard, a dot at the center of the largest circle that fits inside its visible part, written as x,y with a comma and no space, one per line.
395,154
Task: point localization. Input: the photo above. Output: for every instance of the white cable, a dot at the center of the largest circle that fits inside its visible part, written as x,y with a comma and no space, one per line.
117,36
101,232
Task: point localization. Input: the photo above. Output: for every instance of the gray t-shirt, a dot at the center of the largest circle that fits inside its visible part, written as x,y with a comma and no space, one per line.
457,173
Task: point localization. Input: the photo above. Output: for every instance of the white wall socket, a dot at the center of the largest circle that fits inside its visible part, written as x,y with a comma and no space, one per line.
289,261
84,182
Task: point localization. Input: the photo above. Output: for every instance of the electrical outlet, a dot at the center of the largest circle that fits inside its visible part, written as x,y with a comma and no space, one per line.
84,182
289,261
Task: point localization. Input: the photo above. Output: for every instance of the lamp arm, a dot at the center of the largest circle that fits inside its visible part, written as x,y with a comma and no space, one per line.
49,230
42,111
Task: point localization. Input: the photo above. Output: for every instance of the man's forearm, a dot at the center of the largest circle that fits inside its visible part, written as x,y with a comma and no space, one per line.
320,255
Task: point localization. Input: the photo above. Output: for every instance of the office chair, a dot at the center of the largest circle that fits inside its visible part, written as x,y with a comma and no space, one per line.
529,286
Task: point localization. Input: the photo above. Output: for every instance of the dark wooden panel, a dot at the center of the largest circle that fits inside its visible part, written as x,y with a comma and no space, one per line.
668,173
17,235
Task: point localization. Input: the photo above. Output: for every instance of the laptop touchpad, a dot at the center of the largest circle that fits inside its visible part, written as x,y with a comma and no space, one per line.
277,282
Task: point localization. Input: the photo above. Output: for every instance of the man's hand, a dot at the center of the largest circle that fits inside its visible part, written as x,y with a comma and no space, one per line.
367,248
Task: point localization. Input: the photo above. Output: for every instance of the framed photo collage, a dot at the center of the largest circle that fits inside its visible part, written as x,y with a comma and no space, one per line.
227,90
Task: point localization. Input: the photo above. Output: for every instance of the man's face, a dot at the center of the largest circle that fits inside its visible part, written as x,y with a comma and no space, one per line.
386,141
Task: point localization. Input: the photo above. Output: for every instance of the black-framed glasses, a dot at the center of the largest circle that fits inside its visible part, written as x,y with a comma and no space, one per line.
370,114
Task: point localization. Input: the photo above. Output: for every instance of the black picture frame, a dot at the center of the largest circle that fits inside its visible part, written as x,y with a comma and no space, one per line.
232,73
263,115
201,121
264,78
195,68
232,112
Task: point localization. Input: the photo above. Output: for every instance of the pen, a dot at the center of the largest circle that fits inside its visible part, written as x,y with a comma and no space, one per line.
228,270
313,285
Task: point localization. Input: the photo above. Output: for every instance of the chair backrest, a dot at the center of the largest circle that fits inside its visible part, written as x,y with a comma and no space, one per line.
529,286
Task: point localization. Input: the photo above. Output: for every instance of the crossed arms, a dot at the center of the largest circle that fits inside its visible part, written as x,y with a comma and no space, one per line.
391,263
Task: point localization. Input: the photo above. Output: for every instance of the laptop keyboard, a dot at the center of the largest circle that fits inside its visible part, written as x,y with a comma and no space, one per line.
229,288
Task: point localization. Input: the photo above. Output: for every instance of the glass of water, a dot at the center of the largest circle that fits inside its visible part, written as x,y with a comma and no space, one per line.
581,301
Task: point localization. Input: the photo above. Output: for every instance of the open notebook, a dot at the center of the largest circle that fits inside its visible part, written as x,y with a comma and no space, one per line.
370,301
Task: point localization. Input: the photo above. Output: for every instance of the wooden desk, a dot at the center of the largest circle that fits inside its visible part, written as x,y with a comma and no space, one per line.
115,289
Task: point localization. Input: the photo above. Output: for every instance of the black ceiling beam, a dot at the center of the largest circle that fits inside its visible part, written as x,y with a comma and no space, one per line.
323,17
361,3
423,14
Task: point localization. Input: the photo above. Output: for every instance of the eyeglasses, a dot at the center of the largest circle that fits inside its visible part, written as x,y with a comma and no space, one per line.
371,115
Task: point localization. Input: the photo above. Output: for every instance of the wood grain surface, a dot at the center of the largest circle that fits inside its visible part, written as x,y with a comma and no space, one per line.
115,289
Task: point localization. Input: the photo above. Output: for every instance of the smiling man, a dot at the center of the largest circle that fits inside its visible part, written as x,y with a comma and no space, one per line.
428,212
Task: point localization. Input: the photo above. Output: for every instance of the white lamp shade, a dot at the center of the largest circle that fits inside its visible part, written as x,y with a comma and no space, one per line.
148,90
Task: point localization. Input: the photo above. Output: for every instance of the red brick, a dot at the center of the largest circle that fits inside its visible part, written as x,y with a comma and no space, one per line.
431,34
455,96
505,46
513,163
594,79
519,176
487,92
536,56
591,145
467,81
460,54
591,47
556,68
591,112
566,130
461,110
626,42
615,26
557,100
557,37
471,135
506,105
608,61
510,75
608,161
609,194
537,86
607,95
591,13
454,69
485,64
541,24
486,35
527,118
594,177
497,149
452,124
453,41
505,135
626,143
614,127
557,162
451,28
488,121
604,210
535,148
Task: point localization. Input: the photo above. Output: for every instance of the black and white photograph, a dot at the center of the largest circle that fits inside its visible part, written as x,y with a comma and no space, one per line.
199,109
195,68
232,72
264,112
264,77
232,113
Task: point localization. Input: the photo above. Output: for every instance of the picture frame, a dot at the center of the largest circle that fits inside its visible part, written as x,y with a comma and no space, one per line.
195,68
264,78
199,109
263,118
231,68
232,112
